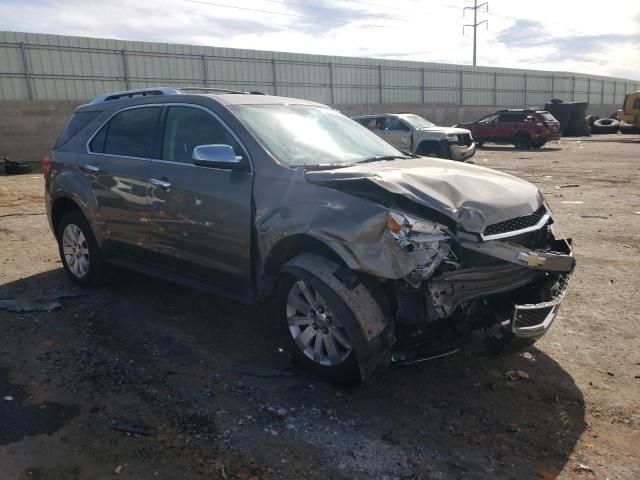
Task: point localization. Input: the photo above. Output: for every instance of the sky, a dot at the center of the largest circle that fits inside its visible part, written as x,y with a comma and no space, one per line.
585,36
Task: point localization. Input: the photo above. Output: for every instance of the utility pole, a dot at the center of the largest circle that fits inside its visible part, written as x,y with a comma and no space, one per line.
475,23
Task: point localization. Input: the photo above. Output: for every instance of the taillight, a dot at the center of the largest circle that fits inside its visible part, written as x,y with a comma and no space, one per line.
46,166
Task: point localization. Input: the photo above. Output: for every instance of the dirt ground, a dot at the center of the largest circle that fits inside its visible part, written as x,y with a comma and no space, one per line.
166,358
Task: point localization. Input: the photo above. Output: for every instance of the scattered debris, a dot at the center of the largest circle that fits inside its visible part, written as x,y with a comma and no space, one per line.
568,185
595,216
118,469
514,375
132,428
582,468
575,202
257,370
21,305
275,411
8,398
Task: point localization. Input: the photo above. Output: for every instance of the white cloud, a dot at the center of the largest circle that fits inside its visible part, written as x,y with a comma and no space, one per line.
413,29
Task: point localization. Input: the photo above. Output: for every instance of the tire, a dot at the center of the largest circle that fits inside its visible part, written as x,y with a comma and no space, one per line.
538,144
606,122
14,168
522,141
628,128
83,261
321,331
555,101
431,149
591,118
480,144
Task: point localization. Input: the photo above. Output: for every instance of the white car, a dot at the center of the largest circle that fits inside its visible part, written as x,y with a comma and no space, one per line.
415,134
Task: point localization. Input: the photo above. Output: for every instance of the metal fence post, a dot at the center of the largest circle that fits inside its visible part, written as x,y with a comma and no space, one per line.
204,70
553,85
380,82
333,98
525,90
460,78
495,88
27,74
125,68
602,94
275,76
589,90
615,87
573,89
424,87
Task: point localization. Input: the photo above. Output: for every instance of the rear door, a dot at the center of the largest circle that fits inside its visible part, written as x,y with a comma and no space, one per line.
201,217
510,123
118,167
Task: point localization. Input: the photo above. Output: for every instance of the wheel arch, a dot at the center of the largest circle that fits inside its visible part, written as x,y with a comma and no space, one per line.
60,207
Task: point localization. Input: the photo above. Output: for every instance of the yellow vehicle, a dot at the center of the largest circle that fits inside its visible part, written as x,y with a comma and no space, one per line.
630,112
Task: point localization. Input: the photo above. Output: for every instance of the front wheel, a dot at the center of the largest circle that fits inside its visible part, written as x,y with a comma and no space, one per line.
522,141
79,251
321,330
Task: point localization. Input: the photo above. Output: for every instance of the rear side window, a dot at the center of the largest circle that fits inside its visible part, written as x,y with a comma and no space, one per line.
129,133
186,128
511,117
78,121
547,117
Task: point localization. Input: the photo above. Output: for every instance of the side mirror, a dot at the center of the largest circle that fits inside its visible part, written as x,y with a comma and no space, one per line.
216,156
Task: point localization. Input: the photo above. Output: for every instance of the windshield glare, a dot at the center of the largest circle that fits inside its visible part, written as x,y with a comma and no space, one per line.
311,135
417,121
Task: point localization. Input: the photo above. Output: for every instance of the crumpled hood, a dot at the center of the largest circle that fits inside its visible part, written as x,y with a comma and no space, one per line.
472,196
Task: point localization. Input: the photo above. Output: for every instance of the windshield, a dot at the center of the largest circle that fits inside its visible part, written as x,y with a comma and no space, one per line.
312,135
417,121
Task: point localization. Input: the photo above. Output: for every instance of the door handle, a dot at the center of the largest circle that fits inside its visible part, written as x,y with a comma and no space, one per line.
163,184
91,168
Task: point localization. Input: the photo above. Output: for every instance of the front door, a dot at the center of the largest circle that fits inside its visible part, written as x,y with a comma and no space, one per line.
397,133
118,169
201,217
486,128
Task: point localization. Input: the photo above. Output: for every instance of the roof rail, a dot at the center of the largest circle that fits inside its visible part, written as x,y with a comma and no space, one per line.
223,90
138,92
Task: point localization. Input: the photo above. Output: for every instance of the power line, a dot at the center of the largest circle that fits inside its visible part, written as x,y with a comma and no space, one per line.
315,18
475,24
286,2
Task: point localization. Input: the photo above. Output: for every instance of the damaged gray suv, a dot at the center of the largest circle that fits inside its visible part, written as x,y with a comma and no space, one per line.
369,255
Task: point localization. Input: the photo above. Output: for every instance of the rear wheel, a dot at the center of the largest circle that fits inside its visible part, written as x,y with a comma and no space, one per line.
538,144
79,251
522,141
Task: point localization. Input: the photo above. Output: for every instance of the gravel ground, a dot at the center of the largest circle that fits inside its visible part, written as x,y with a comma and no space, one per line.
163,360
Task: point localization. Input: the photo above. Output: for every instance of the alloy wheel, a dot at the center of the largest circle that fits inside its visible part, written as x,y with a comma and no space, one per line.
315,330
75,250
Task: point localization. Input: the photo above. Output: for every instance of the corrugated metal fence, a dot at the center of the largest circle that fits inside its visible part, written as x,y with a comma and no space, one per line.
53,67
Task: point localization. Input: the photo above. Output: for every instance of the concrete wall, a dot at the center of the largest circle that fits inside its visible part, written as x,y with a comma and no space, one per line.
29,129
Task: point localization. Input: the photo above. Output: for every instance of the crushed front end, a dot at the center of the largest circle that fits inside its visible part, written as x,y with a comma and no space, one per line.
501,288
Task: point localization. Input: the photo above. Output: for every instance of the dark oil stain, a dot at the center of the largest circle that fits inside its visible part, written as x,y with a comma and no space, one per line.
18,420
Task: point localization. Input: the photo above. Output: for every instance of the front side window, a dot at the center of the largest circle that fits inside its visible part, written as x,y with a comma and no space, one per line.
129,133
188,127
311,135
489,120
397,125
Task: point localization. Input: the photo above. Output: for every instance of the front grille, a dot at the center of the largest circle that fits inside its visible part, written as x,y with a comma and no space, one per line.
531,317
464,139
515,224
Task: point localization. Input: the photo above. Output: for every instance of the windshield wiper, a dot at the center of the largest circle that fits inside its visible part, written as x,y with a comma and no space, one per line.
381,157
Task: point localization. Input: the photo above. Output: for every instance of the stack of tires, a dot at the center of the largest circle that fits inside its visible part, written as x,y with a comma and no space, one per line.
571,117
629,128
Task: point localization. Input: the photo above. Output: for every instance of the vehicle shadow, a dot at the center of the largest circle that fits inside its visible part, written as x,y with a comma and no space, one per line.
503,148
455,417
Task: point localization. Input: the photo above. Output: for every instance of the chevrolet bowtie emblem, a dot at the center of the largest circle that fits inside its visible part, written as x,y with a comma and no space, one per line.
531,259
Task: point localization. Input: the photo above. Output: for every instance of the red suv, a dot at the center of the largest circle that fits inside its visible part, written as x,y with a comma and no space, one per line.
523,128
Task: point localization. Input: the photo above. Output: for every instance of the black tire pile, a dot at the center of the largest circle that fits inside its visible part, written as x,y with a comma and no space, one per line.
572,117
13,167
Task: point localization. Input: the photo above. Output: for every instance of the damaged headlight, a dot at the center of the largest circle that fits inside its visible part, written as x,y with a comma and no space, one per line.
426,241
